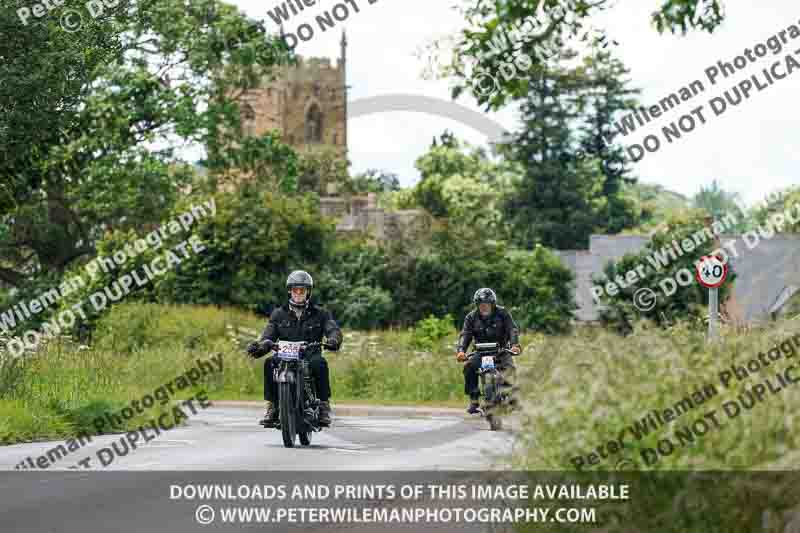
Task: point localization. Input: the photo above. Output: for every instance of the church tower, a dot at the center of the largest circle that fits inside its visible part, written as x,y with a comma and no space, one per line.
307,104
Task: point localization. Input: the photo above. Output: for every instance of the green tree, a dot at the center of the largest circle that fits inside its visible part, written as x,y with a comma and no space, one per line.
655,205
687,301
89,120
374,180
265,160
366,307
718,202
574,173
349,283
320,167
546,26
781,202
605,95
553,204
534,285
461,183
539,290
254,240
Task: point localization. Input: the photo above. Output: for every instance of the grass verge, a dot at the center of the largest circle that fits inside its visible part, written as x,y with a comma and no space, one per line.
593,388
58,392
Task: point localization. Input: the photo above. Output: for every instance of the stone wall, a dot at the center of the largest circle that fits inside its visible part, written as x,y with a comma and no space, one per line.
332,206
290,103
361,213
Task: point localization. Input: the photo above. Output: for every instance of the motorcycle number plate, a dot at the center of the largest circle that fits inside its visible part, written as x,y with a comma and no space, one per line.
289,350
487,361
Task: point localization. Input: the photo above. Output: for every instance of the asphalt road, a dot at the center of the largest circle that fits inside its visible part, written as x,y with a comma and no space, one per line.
226,445
229,438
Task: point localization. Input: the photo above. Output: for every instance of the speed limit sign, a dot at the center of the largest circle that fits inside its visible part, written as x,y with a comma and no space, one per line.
711,271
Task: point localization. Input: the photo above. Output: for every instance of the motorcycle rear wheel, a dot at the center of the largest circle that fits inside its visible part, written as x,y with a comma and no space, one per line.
489,391
495,422
287,414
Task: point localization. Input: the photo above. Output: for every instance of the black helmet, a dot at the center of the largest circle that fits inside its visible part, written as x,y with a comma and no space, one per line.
484,296
299,278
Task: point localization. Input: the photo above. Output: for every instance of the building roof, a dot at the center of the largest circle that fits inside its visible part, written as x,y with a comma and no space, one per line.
765,273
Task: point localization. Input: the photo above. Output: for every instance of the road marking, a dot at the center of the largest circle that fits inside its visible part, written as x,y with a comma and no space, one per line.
169,443
347,450
143,465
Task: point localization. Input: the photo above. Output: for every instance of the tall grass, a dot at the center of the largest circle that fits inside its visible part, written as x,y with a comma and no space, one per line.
384,367
139,347
591,385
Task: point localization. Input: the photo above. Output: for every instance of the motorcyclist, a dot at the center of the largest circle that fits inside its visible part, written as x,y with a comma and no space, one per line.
488,323
298,320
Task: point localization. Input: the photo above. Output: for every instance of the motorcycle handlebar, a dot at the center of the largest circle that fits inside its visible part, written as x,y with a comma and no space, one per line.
313,345
493,352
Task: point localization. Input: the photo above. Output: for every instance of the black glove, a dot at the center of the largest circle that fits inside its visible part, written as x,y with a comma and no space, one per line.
332,346
257,349
254,350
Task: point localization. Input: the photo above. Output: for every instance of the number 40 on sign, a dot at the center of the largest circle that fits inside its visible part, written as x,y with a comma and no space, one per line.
711,271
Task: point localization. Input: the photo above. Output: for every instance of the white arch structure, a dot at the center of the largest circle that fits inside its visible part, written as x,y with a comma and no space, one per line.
493,130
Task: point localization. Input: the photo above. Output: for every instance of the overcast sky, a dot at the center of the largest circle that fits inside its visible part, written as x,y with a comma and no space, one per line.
751,149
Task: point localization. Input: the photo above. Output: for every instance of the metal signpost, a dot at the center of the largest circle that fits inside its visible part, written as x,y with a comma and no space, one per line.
711,273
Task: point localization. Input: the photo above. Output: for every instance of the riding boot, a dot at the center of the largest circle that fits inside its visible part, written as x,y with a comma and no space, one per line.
270,417
473,404
324,413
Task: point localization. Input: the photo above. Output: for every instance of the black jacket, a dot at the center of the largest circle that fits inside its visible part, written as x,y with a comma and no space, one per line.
498,327
313,324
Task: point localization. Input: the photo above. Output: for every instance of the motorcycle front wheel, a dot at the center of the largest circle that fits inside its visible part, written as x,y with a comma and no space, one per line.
287,414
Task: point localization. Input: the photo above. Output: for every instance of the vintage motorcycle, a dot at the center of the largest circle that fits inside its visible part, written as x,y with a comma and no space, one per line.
497,394
298,405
